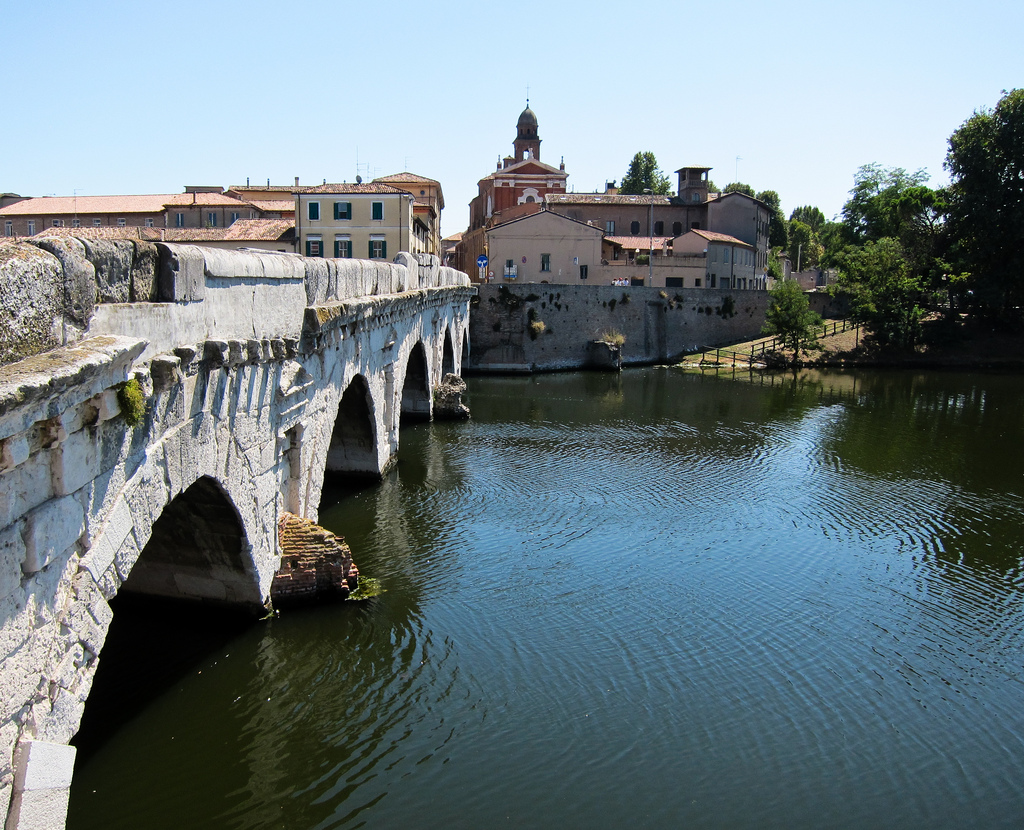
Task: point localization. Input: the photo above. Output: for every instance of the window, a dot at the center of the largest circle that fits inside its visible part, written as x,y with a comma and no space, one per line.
31,227
378,210
659,228
211,219
314,246
714,280
97,222
76,223
695,226
634,228
725,254
314,211
149,222
609,227
677,228
179,220
696,197
673,282
234,216
583,272
342,210
696,283
342,247
122,223
378,246
545,262
58,223
8,228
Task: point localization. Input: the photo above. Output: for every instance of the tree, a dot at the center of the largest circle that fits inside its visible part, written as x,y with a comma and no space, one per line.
883,291
644,174
804,249
778,236
810,216
790,318
738,187
870,213
986,203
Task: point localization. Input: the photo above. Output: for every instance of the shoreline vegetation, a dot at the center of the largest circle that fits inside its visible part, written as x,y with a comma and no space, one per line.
945,344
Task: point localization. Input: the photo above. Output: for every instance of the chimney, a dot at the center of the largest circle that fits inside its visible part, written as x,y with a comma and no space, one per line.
296,181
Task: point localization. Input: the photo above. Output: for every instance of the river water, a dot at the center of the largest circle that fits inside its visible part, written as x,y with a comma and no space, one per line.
653,599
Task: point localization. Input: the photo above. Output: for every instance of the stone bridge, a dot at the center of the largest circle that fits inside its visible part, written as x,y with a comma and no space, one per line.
160,407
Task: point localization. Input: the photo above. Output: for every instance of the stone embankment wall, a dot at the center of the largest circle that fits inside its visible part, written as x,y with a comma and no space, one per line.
523,328
242,360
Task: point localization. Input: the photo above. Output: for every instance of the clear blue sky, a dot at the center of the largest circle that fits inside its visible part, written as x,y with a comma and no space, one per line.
118,97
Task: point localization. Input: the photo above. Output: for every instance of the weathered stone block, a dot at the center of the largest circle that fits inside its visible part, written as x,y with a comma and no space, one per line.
31,300
112,259
75,462
12,554
50,530
24,487
79,280
13,451
182,273
108,540
42,785
145,269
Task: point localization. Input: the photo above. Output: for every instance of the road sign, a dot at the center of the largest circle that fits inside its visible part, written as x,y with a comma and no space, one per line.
481,261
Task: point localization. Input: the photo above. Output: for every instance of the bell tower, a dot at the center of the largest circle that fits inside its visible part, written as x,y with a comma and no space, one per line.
527,143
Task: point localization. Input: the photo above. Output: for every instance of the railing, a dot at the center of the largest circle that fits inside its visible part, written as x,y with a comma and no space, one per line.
731,356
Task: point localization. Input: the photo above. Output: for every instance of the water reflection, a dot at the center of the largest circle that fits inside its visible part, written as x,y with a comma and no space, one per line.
650,598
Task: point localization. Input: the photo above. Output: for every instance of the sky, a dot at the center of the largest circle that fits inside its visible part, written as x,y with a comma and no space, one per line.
119,97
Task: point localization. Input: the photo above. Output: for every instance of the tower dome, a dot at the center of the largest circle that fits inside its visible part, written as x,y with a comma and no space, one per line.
527,119
527,143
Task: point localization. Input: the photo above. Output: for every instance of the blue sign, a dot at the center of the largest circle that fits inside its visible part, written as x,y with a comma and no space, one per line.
481,261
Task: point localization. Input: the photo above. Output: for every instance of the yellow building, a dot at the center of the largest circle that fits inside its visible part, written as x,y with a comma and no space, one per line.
364,221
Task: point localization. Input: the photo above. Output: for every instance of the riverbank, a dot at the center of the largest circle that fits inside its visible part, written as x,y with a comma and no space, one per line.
968,345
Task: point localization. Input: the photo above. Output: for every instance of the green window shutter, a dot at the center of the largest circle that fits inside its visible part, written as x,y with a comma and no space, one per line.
371,250
309,248
347,209
337,213
384,249
337,245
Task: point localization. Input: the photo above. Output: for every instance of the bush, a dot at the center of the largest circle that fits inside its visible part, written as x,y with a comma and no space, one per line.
132,402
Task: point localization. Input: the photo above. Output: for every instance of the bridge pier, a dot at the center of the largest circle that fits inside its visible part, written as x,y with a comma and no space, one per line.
250,402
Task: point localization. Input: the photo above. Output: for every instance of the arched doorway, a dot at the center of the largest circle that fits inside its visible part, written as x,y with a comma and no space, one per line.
416,390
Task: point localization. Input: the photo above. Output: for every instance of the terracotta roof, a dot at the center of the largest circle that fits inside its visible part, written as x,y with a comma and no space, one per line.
241,230
345,188
205,199
641,242
711,236
266,188
106,232
604,198
405,177
44,205
273,205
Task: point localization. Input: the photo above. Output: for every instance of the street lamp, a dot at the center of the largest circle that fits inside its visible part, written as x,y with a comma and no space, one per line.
650,230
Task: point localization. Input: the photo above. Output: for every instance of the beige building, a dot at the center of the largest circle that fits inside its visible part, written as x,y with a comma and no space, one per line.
364,221
428,202
719,260
543,247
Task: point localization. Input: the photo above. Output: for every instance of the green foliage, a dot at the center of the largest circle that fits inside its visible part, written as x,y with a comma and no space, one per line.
790,318
810,216
884,293
778,236
738,187
804,249
986,205
132,402
644,174
871,212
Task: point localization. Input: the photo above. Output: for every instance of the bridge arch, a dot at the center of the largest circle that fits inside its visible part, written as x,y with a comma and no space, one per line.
198,550
416,391
448,355
353,445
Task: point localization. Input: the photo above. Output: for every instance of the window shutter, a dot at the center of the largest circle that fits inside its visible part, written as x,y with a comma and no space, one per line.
309,248
371,249
337,244
384,249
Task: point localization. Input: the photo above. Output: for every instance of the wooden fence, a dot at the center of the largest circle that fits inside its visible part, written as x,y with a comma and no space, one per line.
731,355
